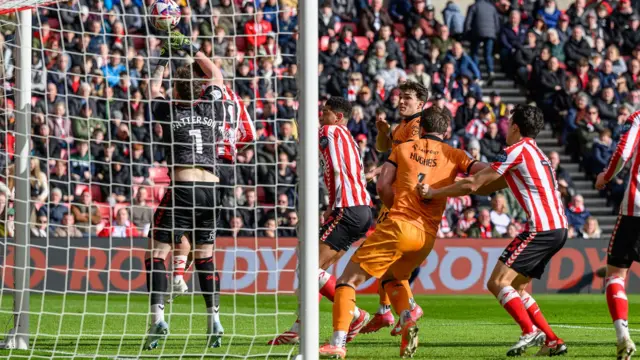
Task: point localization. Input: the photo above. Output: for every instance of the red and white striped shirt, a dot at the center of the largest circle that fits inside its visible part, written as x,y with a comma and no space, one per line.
532,180
238,129
628,150
476,128
342,167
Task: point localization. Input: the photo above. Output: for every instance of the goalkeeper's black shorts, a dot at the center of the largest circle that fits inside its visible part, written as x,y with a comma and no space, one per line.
188,208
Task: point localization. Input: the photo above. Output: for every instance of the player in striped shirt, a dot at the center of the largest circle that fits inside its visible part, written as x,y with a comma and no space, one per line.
348,216
624,246
526,170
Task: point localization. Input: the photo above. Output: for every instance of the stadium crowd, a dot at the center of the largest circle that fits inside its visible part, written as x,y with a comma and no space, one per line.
99,164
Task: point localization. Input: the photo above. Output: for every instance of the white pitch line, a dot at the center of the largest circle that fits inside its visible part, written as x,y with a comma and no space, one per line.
588,327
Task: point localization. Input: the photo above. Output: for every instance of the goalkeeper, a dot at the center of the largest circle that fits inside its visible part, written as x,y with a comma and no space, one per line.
187,211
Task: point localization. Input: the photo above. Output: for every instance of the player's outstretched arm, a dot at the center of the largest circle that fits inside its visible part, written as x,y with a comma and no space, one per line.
463,187
178,41
385,181
383,139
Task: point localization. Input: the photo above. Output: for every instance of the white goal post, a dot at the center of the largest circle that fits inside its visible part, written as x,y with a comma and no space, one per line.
21,336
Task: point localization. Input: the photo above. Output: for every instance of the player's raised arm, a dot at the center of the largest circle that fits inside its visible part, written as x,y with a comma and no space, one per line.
625,150
383,139
180,42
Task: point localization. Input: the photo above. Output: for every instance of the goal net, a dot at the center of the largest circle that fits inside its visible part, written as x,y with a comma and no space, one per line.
99,167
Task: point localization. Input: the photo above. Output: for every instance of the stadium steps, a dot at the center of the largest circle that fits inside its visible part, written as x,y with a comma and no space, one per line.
512,93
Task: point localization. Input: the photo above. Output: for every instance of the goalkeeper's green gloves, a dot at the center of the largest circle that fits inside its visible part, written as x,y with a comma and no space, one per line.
179,42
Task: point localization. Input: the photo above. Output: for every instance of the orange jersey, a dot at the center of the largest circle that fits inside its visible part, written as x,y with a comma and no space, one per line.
407,130
425,161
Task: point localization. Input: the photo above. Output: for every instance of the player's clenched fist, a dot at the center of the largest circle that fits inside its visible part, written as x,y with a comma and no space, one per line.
600,182
382,125
424,191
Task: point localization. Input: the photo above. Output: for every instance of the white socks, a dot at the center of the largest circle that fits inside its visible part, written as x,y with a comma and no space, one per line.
213,314
383,309
179,264
157,313
622,329
339,338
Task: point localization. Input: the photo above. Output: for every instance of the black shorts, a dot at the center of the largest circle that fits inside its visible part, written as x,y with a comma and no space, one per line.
530,252
624,246
188,208
346,226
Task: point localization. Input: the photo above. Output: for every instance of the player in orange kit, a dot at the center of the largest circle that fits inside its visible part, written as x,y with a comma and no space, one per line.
404,239
412,99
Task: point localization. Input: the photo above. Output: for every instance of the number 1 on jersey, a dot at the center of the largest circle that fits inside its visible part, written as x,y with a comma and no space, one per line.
197,134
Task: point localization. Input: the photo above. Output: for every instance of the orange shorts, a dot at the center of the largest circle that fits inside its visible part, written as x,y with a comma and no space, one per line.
395,245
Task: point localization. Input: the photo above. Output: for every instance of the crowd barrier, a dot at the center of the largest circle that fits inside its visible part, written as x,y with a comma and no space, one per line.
267,266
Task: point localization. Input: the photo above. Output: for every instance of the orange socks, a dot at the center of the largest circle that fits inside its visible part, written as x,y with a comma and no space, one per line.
384,298
400,294
344,305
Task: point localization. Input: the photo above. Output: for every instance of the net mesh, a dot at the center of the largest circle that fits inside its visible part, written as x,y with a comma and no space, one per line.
99,169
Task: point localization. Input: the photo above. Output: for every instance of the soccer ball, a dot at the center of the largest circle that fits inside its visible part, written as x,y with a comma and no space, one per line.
165,14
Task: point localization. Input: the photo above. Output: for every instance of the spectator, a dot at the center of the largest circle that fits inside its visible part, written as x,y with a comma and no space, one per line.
467,219
41,228
591,229
561,173
68,228
607,105
392,47
463,64
576,47
576,213
348,44
474,150
356,125
257,29
631,35
483,23
340,78
453,19
417,47
619,126
492,143
346,10
465,86
86,215
327,20
392,74
588,130
482,229
54,209
444,81
121,228
374,18
38,182
577,13
552,79
550,13
497,107
368,102
85,124
618,65
367,154
607,76
237,228
418,75
555,45
524,58
603,149
512,232
512,38
499,217
291,230
141,212
60,180
269,230
443,43
465,113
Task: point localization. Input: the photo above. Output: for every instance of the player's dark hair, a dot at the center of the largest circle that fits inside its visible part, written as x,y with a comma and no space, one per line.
421,92
185,83
434,120
529,120
340,105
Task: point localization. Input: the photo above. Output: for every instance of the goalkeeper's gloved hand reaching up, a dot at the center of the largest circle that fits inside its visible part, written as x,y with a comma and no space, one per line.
178,42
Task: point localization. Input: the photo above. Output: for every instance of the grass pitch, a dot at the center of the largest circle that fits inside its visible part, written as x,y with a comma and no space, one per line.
454,327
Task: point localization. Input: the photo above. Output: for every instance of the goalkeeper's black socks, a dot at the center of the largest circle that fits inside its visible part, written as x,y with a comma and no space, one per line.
210,286
157,285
